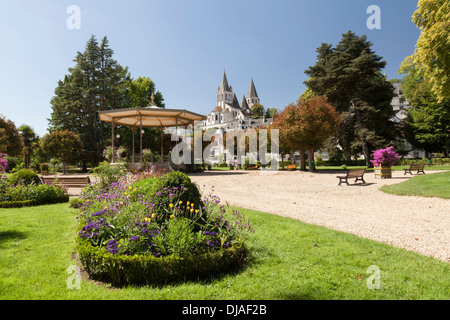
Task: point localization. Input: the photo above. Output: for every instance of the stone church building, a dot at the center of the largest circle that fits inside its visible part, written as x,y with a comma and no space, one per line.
229,114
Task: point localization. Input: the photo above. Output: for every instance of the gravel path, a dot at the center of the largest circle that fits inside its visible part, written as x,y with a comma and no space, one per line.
414,223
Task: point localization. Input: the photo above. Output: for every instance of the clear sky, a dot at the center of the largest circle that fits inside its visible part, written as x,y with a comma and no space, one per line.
184,46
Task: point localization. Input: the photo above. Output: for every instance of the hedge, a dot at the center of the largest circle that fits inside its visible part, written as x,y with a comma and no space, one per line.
18,204
122,270
31,203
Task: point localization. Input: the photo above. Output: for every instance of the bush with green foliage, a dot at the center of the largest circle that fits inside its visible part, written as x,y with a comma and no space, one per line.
25,176
130,235
175,179
108,174
20,194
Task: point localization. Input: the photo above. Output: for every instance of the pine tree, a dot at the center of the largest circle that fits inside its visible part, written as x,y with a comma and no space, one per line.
350,76
96,82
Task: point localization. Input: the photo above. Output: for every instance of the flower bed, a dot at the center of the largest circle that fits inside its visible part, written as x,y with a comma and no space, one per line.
24,189
157,230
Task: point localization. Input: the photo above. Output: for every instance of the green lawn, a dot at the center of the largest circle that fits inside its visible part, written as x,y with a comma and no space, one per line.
431,185
395,168
290,260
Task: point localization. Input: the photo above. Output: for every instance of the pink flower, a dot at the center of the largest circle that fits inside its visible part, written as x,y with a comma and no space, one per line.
385,157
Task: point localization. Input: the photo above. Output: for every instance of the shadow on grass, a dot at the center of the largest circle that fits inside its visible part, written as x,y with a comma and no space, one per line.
11,235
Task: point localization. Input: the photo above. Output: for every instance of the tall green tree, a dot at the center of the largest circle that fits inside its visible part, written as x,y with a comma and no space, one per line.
10,139
63,145
350,76
428,124
96,82
433,45
258,111
29,138
142,93
307,125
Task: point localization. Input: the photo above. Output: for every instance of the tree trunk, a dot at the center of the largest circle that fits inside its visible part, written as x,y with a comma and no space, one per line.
312,168
365,148
302,160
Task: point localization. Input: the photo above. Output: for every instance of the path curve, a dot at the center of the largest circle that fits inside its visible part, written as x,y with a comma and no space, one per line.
414,223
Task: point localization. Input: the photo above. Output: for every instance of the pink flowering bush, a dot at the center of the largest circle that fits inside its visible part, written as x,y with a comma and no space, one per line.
385,157
3,163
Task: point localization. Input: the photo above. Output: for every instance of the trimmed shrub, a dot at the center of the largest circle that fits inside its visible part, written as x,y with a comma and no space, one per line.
121,270
17,204
49,194
127,237
20,194
175,179
24,175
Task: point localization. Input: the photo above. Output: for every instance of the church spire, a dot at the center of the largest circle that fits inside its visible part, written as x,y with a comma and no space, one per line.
224,85
252,91
244,104
252,96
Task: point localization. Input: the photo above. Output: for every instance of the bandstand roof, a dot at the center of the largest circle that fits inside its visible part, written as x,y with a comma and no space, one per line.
150,116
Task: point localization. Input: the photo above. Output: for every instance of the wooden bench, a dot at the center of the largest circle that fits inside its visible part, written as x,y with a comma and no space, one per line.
69,182
291,167
358,174
418,167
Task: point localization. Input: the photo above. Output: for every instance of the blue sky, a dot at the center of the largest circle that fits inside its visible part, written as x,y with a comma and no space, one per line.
185,45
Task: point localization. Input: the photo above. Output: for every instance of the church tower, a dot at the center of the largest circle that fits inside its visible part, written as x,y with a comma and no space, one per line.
252,95
224,93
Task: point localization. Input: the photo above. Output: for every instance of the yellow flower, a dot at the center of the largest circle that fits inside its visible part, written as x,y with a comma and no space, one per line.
171,216
187,203
147,219
171,205
196,210
180,202
134,189
125,193
192,205
153,215
130,187
192,210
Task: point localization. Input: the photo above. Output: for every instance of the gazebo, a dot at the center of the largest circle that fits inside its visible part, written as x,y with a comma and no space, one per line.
148,117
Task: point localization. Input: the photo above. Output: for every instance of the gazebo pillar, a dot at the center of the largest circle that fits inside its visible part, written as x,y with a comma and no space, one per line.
140,131
112,141
162,144
132,153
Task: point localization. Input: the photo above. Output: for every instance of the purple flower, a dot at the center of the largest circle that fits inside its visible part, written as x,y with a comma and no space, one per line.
113,246
134,238
99,213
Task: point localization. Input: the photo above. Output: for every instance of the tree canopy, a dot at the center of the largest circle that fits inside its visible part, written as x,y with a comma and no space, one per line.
433,45
306,125
350,76
428,123
97,82
10,139
63,145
